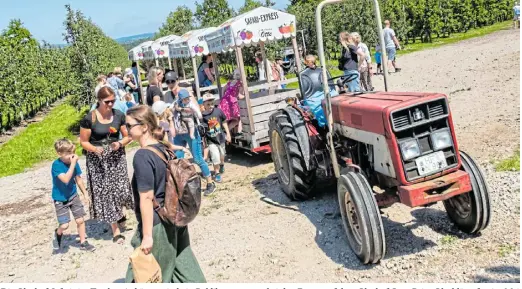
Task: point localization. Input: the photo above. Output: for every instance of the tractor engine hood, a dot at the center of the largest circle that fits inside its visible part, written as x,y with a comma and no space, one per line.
370,111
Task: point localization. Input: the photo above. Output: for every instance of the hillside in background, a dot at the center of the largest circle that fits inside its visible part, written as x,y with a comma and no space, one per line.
133,38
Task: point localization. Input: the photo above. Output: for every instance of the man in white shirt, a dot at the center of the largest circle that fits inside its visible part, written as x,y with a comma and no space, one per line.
392,44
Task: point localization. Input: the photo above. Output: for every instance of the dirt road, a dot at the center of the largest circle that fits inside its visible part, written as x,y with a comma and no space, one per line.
241,237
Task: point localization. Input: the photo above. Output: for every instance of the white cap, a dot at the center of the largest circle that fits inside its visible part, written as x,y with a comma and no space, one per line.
159,107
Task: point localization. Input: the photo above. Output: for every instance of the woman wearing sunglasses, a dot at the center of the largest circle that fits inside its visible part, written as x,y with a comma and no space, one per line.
107,176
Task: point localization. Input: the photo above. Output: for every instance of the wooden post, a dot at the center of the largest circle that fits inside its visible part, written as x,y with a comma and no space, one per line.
196,78
268,69
216,69
241,66
297,56
182,68
175,64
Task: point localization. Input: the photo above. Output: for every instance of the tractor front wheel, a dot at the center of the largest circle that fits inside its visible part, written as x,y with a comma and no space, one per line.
361,217
471,211
297,182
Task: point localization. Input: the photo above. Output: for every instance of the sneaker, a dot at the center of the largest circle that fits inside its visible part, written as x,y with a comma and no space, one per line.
221,168
217,178
85,246
211,188
57,243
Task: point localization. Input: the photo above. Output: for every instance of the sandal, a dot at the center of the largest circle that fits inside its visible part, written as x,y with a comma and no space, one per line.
121,223
117,238
123,219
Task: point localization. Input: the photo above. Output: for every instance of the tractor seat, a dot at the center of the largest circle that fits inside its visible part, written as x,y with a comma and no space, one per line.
311,81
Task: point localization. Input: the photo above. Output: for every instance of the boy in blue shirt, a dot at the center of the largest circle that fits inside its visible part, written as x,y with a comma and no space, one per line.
66,173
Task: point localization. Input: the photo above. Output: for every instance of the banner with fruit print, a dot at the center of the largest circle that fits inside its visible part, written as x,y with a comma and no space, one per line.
259,25
136,53
159,48
191,44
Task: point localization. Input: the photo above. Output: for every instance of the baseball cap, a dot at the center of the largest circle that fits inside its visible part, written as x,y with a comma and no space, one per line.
128,71
208,96
183,93
171,76
159,107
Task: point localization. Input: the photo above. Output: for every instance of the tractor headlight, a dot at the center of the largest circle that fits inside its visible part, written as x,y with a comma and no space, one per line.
410,149
441,139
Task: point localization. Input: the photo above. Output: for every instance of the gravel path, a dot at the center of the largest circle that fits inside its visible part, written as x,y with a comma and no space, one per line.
241,237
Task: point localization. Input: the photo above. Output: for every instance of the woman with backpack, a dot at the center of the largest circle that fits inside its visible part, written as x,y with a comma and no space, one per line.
169,244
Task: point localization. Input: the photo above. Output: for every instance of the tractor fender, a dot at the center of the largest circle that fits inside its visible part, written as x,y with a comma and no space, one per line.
301,132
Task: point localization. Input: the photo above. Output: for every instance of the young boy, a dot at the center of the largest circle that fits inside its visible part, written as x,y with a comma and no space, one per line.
378,58
66,173
215,120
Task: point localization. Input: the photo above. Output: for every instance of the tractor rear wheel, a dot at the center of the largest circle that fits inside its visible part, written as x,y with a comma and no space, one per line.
297,182
361,217
471,211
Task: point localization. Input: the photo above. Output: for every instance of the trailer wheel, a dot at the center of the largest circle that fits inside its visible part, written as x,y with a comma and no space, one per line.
361,218
297,182
470,212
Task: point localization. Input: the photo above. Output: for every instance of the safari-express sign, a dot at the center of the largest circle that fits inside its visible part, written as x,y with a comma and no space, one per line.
265,31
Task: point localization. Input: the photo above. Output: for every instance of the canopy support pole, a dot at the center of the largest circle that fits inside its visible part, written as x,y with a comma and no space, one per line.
175,64
297,56
138,82
196,79
182,68
241,67
170,64
216,69
157,63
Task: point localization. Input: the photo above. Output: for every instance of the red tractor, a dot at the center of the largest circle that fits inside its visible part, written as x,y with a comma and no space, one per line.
401,142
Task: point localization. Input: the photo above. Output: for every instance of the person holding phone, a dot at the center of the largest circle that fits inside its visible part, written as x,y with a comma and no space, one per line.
107,175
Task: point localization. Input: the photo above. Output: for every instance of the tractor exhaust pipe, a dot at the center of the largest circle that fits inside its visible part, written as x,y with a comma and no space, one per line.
320,51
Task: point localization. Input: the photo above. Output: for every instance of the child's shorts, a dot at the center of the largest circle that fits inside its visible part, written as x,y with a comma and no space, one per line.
215,152
74,205
378,57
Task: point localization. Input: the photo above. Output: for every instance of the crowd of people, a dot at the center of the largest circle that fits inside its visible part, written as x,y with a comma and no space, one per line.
173,121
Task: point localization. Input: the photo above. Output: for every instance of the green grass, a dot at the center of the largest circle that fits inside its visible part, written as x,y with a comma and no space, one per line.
448,240
36,142
456,37
510,164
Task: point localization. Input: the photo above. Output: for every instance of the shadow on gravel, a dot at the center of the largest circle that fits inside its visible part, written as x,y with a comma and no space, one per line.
323,212
501,274
245,158
438,221
98,230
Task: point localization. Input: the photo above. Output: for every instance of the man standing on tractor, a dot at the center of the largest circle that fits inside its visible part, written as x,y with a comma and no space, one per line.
392,44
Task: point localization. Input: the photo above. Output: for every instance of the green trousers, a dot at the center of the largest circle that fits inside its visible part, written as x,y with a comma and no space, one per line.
171,248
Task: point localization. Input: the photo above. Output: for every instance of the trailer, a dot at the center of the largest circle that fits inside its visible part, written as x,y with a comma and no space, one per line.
262,99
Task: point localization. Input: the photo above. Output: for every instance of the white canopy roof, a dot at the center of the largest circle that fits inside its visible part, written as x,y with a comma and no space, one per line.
159,48
191,44
136,53
261,24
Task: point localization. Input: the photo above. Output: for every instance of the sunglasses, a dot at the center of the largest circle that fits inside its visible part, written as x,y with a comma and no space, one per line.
130,126
109,101
170,81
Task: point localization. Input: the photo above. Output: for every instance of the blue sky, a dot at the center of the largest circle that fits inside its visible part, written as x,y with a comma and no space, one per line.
117,18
